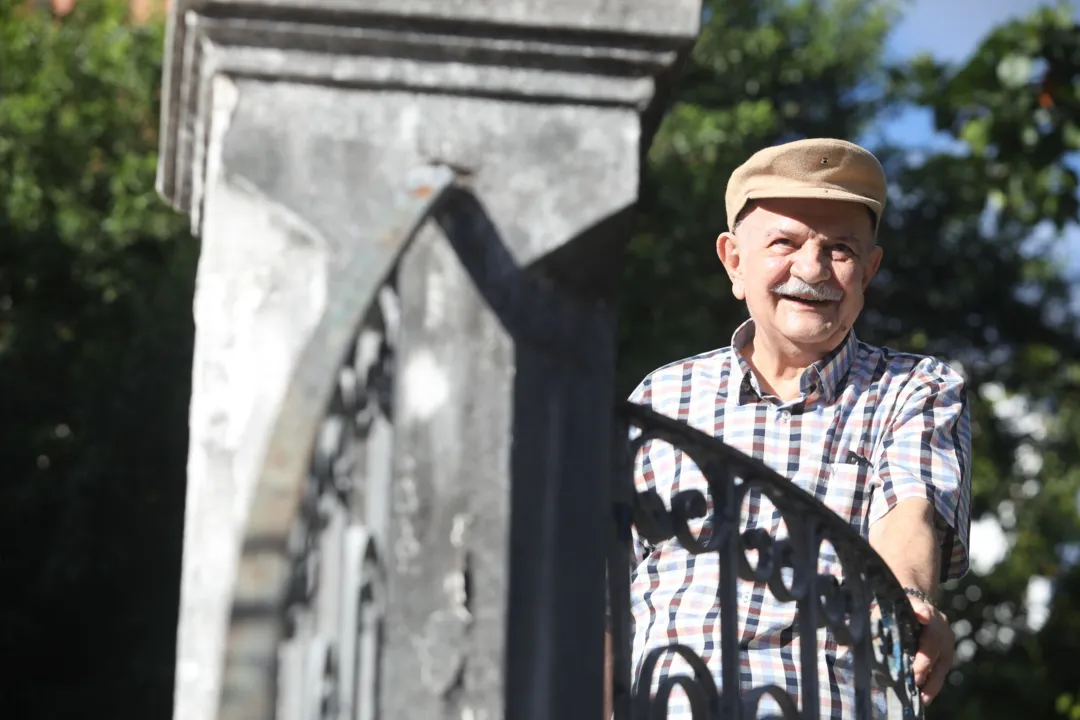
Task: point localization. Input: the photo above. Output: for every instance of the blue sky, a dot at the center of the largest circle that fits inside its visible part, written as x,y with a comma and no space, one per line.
951,30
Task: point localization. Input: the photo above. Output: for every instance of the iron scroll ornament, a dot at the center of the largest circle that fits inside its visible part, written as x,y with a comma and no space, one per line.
868,611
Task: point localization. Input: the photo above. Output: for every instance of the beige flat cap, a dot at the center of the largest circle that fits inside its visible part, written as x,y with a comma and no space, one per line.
816,168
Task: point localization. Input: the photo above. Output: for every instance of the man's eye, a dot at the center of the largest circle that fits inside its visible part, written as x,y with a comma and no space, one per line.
842,250
780,241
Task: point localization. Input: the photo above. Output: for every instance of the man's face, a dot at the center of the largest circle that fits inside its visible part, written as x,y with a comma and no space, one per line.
802,266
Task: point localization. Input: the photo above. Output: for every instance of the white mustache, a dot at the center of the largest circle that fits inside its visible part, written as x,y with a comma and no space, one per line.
798,288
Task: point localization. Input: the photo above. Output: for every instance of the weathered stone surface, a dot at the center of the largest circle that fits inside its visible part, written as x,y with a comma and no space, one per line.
289,130
610,55
674,18
261,288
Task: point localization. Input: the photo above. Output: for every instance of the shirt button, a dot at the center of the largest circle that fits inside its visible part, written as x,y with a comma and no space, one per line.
785,415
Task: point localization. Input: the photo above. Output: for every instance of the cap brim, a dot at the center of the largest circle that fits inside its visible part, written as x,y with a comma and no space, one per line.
817,193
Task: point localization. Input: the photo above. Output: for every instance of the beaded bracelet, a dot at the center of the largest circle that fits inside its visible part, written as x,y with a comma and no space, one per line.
919,595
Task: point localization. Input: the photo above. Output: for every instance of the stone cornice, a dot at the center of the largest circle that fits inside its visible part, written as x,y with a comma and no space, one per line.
580,52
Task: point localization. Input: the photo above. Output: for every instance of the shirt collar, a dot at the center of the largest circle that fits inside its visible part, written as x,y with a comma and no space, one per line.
827,374
742,375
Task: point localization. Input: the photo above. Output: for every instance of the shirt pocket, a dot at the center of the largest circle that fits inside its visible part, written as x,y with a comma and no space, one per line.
847,493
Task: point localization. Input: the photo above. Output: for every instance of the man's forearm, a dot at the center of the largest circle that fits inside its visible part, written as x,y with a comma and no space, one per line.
905,538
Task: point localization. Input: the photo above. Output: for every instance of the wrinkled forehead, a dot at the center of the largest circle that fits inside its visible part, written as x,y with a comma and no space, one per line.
827,218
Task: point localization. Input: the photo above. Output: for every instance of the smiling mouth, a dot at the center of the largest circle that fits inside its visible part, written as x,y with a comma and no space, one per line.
807,302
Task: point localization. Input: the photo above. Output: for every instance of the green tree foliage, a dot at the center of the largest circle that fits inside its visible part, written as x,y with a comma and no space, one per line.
972,273
96,278
982,232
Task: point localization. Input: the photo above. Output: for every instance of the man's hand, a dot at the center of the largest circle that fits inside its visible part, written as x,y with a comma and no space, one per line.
936,650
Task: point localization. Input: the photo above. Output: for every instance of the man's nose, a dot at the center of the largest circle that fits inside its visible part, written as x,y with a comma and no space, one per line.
811,264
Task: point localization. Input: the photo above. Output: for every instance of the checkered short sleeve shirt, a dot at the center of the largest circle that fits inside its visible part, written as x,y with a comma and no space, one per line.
873,427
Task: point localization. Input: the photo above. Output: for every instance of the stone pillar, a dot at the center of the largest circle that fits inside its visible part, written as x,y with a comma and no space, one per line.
411,213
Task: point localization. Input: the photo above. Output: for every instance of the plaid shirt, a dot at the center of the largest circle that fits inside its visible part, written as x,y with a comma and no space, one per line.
904,416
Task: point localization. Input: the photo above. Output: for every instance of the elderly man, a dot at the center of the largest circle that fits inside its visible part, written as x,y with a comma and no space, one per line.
881,437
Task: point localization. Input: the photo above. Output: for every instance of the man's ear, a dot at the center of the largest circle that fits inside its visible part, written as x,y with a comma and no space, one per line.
727,249
871,265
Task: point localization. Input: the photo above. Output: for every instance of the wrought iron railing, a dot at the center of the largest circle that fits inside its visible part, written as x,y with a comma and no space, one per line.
866,612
